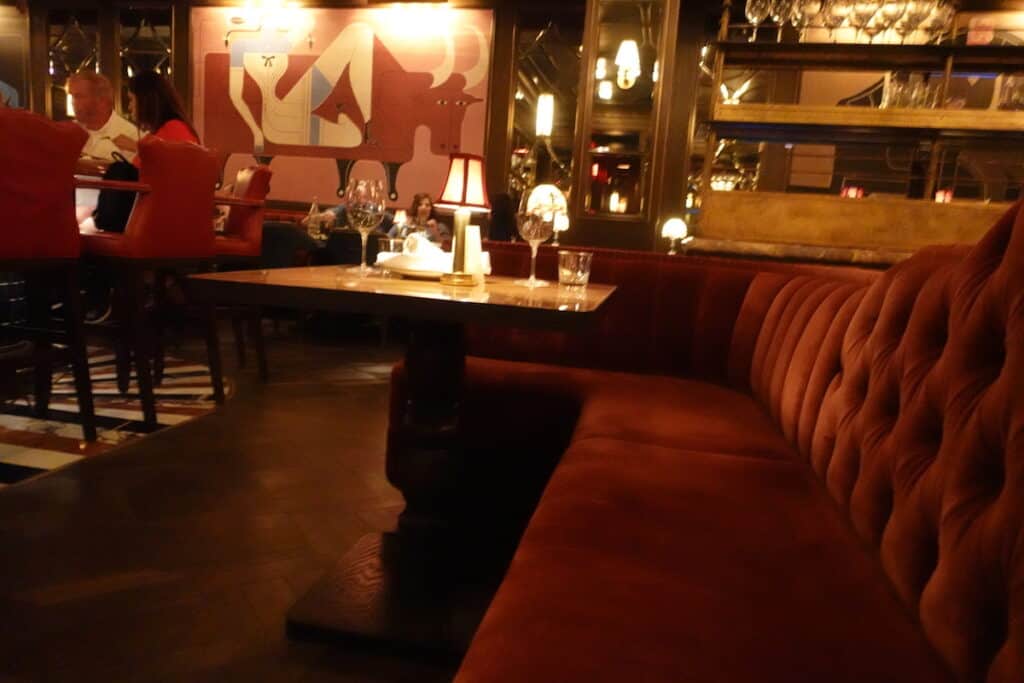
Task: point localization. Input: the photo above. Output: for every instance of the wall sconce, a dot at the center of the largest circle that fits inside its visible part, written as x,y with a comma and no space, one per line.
627,59
269,15
675,229
604,90
613,202
655,71
601,70
943,196
545,114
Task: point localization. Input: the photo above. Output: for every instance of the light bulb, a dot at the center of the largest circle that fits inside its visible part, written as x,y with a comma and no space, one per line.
601,71
604,90
545,114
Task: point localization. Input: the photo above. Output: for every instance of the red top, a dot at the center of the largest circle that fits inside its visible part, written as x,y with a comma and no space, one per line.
174,130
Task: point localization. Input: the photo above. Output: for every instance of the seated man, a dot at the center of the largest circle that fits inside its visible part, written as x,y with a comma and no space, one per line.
92,97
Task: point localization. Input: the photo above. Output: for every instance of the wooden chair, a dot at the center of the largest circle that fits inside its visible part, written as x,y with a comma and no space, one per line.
41,240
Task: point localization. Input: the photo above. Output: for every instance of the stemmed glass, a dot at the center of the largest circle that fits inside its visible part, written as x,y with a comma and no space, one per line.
803,14
890,13
938,21
757,11
834,14
780,11
536,224
861,14
914,15
364,208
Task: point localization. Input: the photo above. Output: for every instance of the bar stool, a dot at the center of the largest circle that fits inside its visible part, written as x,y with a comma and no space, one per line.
240,246
40,239
170,229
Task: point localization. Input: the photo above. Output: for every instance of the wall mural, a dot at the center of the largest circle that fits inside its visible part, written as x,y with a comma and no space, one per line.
319,92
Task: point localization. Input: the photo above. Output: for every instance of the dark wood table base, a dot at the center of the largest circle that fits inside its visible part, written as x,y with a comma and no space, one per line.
422,596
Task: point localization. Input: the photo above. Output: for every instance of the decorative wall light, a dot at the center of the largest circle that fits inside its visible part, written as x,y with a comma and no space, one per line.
604,90
545,114
656,71
613,202
944,196
675,229
627,59
601,70
257,16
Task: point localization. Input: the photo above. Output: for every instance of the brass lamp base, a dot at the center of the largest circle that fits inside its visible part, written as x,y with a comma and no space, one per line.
458,279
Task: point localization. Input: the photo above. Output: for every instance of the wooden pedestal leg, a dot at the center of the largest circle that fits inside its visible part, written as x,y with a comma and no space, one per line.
424,587
425,462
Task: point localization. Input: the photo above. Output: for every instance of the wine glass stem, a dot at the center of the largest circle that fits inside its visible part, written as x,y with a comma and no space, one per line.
533,262
363,236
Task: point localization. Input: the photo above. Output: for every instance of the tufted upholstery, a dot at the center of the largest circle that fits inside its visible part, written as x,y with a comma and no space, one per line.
845,502
37,189
175,219
907,399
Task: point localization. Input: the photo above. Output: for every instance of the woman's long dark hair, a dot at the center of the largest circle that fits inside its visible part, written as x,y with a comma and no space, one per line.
414,209
156,102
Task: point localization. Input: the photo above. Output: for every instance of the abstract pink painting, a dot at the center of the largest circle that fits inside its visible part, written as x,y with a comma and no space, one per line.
325,94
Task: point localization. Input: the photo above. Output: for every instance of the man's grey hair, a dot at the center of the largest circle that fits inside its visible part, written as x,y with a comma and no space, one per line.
101,85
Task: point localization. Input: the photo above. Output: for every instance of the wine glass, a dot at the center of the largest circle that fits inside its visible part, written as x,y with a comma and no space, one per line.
890,13
861,14
364,208
536,224
780,11
757,11
834,14
913,16
938,21
803,14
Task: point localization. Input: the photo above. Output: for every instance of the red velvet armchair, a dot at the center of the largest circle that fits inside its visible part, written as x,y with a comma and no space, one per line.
170,230
40,238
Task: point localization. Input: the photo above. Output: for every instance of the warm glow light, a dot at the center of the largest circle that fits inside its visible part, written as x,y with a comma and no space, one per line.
674,228
520,95
601,72
545,114
613,201
604,90
655,71
548,200
852,192
69,106
465,186
628,60
595,170
415,21
944,196
561,223
401,217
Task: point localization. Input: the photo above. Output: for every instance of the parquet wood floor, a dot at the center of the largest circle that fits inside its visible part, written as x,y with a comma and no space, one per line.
177,557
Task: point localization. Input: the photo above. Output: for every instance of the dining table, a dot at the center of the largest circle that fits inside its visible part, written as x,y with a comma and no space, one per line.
409,587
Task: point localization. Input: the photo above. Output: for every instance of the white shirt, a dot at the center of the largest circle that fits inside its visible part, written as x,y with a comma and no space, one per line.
101,141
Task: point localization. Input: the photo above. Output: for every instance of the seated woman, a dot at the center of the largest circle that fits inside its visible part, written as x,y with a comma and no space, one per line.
157,109
422,219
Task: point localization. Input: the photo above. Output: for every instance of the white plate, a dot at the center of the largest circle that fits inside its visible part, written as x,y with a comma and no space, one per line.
414,273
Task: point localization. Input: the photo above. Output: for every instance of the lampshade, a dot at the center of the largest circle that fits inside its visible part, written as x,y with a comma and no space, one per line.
545,114
465,187
604,90
674,229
